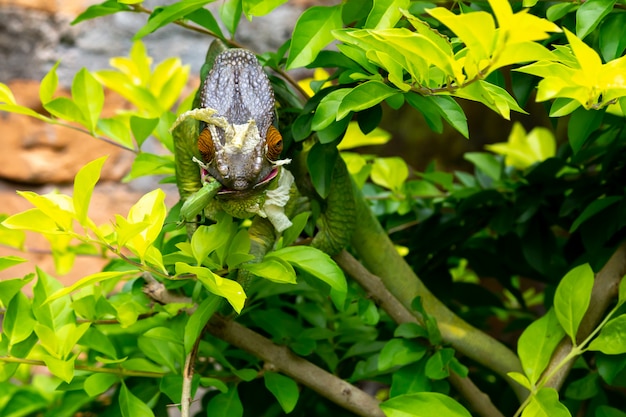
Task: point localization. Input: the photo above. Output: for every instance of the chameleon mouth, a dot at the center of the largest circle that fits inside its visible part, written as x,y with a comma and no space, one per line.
229,191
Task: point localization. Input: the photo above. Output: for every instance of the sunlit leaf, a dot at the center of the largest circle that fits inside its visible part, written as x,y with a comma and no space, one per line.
537,343
545,403
590,14
48,84
90,280
572,298
167,14
284,389
131,406
227,288
84,183
385,13
260,7
312,33
423,404
389,172
88,96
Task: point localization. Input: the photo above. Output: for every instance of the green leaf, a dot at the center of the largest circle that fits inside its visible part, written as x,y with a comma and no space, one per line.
321,162
229,289
452,113
364,96
142,128
274,269
66,109
49,84
198,320
592,209
90,280
545,403
10,287
316,263
167,14
558,10
116,130
54,314
16,108
284,389
225,404
84,183
132,406
581,124
390,172
23,403
486,163
612,36
207,239
18,322
151,209
7,262
230,14
62,369
97,384
385,13
205,18
291,234
584,388
410,331
326,111
437,366
260,7
612,337
423,404
572,298
313,31
88,95
520,379
589,15
400,352
606,411
537,343
104,9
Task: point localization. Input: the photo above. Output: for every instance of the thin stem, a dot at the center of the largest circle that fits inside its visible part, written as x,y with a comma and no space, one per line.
138,8
116,371
281,359
187,379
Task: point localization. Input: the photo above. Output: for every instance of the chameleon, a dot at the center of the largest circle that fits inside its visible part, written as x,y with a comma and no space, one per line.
228,157
238,144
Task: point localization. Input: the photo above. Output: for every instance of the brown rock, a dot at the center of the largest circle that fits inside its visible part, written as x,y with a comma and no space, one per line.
35,152
70,7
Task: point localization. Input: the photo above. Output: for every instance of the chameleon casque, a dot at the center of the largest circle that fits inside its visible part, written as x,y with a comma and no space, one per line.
227,152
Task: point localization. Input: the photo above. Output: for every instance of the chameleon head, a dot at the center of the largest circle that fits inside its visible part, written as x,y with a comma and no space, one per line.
240,152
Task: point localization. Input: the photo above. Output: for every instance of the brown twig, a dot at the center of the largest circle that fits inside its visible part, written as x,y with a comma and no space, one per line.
281,359
477,400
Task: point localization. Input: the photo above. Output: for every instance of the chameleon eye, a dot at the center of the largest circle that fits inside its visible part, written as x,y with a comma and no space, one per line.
274,143
205,145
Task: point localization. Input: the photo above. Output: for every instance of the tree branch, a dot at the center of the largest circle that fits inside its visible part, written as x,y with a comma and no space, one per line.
477,400
605,289
380,257
283,360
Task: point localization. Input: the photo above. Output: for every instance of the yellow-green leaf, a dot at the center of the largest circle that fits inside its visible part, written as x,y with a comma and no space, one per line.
90,280
354,137
84,183
227,288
